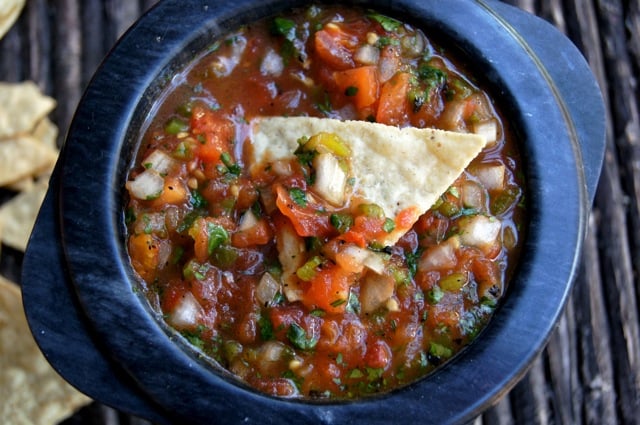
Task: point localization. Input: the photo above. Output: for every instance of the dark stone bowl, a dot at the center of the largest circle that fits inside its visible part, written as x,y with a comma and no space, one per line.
101,335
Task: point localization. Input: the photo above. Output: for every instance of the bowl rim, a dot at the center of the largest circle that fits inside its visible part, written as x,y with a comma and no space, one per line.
91,191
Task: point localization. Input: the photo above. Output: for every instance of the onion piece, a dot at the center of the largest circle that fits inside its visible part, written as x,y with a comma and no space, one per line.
146,186
481,232
492,176
354,259
272,64
291,254
375,291
267,289
160,161
367,55
331,180
247,221
487,129
441,256
186,313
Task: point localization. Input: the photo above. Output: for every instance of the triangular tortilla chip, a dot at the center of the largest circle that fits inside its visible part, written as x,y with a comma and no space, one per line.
24,156
399,169
32,393
22,106
9,12
18,216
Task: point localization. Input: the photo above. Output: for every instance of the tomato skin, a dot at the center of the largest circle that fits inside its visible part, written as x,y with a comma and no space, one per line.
328,290
332,49
393,107
144,251
307,220
217,132
363,80
378,355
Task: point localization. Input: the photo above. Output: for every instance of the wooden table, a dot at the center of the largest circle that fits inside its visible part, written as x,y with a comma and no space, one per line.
590,370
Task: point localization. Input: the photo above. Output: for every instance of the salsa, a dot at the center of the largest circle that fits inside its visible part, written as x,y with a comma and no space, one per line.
276,277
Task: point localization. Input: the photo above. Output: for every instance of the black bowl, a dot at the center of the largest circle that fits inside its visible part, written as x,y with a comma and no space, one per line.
102,336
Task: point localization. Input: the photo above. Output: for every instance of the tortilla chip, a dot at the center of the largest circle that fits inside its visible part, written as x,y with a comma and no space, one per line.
24,156
9,12
19,215
22,106
400,169
32,393
46,133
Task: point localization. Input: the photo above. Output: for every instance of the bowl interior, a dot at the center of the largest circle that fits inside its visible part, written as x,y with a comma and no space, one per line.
99,152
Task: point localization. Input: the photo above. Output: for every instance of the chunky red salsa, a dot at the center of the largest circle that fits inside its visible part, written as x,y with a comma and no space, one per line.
269,277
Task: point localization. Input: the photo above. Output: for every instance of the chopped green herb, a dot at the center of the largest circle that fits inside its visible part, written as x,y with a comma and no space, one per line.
388,225
298,337
353,303
439,351
232,168
341,221
308,269
284,27
298,196
351,91
266,328
175,126
338,302
389,24
196,200
217,236
129,216
435,295
411,258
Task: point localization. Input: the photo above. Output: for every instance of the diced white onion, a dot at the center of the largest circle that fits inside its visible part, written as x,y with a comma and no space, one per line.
472,195
247,221
159,161
291,250
367,55
374,262
267,289
331,180
271,351
480,231
375,290
441,256
272,64
492,176
487,129
147,185
186,313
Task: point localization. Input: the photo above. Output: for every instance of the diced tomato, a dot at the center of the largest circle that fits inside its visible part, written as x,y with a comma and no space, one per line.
334,47
378,355
172,295
393,108
260,234
359,84
217,131
328,290
144,250
200,232
309,220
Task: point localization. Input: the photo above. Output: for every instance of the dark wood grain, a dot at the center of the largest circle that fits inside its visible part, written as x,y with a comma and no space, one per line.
590,371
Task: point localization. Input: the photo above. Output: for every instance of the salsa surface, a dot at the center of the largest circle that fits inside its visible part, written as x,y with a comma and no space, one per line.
270,279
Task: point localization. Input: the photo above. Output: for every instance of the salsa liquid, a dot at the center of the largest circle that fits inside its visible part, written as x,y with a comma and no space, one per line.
219,251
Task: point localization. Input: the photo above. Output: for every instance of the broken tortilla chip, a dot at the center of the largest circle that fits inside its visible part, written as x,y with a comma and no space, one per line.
24,156
402,170
9,12
22,106
32,393
18,216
